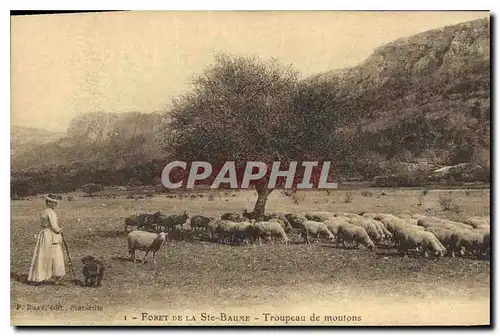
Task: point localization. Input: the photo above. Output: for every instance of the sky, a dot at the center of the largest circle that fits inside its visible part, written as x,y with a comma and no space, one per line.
63,65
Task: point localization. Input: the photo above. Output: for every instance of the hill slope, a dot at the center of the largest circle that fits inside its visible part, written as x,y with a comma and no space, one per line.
104,140
23,139
425,98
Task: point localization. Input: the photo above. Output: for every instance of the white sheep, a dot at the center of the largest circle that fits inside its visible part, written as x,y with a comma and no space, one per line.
385,234
145,241
477,221
271,229
369,226
335,223
444,235
441,222
355,234
424,240
319,216
471,241
315,229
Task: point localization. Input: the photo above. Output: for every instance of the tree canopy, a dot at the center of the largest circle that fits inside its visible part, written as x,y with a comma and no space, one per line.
246,109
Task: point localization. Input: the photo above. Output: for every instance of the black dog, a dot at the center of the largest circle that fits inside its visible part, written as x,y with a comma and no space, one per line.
93,271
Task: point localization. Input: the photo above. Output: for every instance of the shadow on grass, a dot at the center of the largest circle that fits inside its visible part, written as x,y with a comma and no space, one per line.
107,234
122,259
23,278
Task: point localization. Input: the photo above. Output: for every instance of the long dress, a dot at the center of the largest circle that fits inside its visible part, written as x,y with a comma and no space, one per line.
48,257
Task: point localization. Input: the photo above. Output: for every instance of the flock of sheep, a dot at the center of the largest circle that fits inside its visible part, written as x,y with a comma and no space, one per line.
426,235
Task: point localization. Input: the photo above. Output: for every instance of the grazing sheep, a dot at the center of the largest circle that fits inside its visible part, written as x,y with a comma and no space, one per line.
319,216
295,220
444,236
169,223
441,222
280,219
200,222
370,228
393,224
145,241
212,227
271,229
354,234
227,230
315,229
420,240
476,221
93,271
384,233
470,241
335,223
346,214
140,222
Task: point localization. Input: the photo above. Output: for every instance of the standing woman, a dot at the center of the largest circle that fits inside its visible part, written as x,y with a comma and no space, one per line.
48,257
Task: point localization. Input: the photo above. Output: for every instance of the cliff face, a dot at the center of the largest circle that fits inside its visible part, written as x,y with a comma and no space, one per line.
102,127
427,96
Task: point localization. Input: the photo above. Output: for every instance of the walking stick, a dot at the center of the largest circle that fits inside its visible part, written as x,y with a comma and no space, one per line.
69,258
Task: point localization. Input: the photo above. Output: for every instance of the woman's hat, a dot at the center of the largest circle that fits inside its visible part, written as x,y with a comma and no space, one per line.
52,198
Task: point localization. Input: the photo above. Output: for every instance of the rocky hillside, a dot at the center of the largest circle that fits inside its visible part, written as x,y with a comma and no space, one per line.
423,98
105,140
23,139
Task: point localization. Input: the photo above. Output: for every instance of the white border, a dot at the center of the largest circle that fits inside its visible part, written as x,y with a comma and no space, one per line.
187,5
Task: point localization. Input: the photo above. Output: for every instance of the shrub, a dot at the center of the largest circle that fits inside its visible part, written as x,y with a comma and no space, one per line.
447,202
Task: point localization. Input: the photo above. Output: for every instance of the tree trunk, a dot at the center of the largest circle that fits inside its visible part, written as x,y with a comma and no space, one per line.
260,206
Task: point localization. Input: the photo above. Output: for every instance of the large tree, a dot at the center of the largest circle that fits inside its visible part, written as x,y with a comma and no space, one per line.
246,109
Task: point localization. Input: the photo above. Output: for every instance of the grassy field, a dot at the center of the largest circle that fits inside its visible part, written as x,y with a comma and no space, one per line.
195,277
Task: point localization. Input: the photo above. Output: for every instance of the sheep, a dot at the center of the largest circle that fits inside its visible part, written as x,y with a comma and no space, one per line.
471,241
393,224
233,217
200,222
335,223
224,230
318,216
244,232
317,229
212,226
372,215
370,228
271,229
424,240
141,221
444,236
384,233
281,216
346,214
476,222
295,220
441,222
145,241
280,219
169,223
355,234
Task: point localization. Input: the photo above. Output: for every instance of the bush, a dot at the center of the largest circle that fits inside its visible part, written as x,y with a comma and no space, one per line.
447,202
